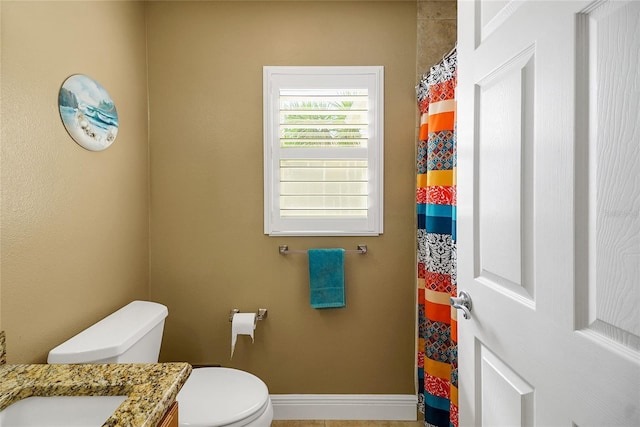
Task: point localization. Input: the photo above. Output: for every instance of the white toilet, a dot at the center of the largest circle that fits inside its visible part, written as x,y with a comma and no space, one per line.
211,397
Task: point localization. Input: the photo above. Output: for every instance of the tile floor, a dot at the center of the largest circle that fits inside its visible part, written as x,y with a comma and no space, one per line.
336,423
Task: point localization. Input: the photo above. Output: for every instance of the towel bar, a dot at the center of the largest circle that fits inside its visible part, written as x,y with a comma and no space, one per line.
284,250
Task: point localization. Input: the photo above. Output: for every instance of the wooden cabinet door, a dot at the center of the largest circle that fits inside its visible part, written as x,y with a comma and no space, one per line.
170,419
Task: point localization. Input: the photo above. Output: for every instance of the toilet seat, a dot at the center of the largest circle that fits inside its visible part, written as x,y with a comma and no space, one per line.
216,397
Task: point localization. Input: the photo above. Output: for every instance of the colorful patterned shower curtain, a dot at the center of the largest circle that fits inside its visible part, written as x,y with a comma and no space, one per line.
436,236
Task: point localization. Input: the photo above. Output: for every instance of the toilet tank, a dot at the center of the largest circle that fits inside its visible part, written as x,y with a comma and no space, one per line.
132,334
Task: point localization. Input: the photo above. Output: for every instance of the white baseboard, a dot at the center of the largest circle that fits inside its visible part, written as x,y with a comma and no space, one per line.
391,407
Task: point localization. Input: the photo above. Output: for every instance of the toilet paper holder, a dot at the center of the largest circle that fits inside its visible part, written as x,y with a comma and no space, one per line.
261,315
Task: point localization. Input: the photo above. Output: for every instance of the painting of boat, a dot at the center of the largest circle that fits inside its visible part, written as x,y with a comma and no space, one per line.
87,112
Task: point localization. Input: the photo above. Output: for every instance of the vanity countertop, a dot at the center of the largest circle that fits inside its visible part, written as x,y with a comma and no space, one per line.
151,388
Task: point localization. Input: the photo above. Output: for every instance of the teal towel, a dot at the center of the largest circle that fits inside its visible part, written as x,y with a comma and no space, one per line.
326,277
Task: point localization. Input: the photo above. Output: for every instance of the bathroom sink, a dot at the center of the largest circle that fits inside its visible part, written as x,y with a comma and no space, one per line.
68,411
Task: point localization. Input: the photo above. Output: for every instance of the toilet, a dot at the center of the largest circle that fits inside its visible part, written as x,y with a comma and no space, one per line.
211,397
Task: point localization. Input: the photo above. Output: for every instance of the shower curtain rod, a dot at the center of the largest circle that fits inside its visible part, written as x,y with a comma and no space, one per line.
455,46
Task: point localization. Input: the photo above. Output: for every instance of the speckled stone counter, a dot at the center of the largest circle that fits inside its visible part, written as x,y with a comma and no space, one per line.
3,354
151,388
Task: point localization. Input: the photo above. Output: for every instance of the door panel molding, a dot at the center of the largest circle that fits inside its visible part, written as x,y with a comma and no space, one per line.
490,15
506,398
607,157
504,129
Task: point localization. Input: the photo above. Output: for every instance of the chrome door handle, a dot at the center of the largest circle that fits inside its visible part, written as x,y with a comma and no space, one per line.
462,302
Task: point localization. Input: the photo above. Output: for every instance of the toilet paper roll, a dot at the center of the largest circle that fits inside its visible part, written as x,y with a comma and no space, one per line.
242,324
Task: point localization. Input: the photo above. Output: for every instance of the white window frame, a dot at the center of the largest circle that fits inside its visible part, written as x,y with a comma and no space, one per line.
333,77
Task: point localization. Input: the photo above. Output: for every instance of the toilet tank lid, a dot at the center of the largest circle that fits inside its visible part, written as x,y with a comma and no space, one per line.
111,336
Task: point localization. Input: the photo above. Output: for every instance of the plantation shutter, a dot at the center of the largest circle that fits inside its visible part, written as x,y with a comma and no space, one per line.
323,183
322,151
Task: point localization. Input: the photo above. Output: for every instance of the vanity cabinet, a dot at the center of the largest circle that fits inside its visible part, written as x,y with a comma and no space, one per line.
170,419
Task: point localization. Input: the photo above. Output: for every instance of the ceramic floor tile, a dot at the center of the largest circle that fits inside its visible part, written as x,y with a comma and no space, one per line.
295,423
343,423
352,423
406,424
336,423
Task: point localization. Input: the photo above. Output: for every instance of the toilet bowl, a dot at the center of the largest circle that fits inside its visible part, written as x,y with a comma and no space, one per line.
211,397
237,399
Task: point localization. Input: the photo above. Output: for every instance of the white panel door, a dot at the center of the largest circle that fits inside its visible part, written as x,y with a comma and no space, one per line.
549,212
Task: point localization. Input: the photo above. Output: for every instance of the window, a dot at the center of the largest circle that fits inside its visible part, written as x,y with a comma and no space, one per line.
323,150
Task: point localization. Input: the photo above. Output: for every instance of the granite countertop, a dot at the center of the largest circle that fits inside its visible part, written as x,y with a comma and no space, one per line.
150,388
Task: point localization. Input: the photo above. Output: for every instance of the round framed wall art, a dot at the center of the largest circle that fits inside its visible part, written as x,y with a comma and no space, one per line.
87,112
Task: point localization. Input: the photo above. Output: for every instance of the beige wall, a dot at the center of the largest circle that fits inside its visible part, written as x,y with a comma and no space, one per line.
208,250
74,223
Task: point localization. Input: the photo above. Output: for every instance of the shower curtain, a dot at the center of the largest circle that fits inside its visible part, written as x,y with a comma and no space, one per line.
436,237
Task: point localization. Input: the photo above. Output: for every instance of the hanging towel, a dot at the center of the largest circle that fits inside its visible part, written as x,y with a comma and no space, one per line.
326,277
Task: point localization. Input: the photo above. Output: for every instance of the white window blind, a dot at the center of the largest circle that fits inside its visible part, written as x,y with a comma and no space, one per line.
323,150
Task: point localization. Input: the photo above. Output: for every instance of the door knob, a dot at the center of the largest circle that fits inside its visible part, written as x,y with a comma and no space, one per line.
462,302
